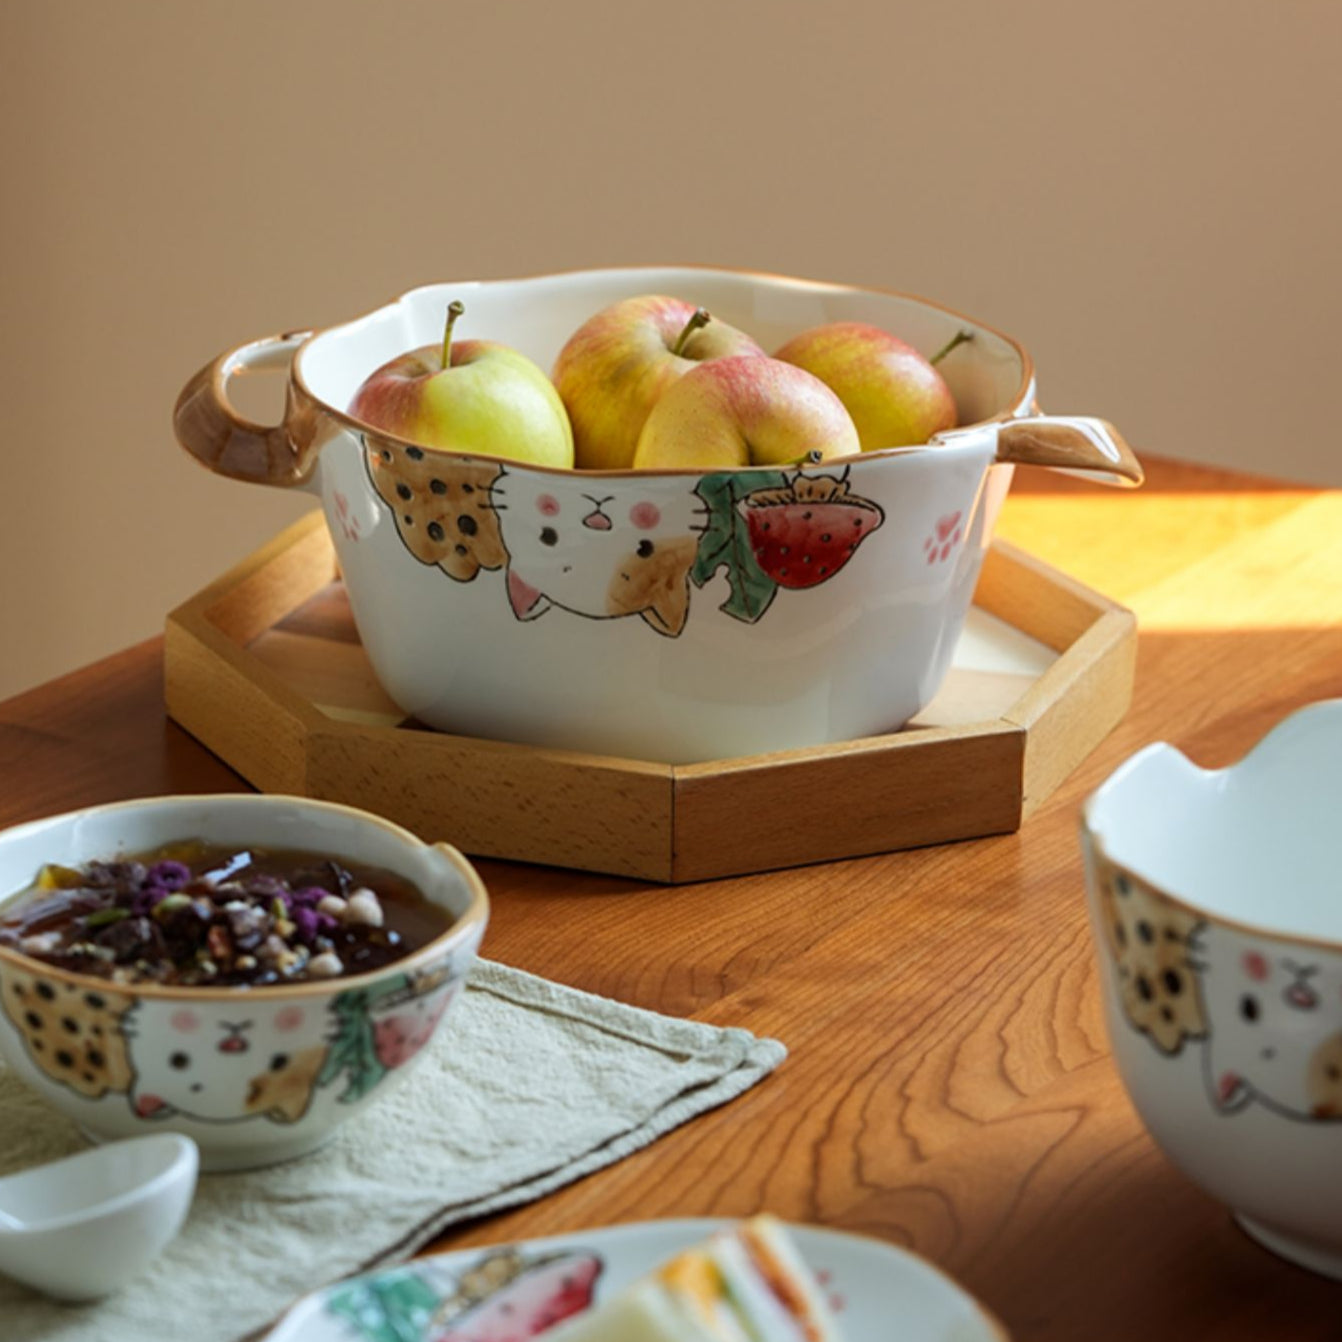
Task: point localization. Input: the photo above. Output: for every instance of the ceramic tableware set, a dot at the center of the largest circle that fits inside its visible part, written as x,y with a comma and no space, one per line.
1212,895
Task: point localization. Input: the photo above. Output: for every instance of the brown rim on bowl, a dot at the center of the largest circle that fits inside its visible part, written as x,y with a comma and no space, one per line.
314,403
1196,910
461,929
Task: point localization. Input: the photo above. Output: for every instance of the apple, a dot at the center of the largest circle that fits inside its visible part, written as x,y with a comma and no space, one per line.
746,411
470,396
895,396
617,364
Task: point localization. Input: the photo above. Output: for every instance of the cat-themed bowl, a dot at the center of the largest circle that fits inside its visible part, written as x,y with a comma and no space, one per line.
252,1073
1217,910
669,615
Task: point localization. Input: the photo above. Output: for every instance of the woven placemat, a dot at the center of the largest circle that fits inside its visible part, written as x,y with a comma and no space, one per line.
530,1086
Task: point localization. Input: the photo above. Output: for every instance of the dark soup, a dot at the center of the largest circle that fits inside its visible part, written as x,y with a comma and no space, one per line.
195,914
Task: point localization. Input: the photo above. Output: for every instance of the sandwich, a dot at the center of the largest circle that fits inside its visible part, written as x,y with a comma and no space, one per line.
743,1284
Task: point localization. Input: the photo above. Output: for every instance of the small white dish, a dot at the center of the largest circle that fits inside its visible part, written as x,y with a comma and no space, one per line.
1216,908
82,1227
519,1290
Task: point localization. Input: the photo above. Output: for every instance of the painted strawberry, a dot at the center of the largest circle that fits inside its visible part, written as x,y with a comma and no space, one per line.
398,1036
804,533
543,1293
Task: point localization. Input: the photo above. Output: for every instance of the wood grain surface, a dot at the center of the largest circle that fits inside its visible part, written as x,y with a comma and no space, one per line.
949,1086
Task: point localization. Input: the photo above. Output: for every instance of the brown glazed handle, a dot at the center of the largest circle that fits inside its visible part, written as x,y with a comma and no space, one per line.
209,427
1072,443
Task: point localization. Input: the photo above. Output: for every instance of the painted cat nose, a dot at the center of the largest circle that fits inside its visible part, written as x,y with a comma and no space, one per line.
1302,997
597,520
235,1043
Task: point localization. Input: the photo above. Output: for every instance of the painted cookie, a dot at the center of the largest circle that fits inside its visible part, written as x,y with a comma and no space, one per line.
443,505
72,1033
1151,941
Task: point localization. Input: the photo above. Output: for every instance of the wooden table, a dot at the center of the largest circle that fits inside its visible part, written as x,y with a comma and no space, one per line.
949,1086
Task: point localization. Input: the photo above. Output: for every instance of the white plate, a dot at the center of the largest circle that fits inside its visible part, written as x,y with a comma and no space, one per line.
511,1293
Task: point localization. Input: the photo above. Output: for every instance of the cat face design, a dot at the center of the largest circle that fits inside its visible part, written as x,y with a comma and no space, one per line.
599,548
229,1066
1276,1014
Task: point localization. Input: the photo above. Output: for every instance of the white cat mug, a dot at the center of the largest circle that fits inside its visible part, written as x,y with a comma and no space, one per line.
671,615
1217,914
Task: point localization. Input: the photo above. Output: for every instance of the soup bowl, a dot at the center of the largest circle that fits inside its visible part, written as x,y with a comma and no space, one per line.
1216,909
253,1075
671,615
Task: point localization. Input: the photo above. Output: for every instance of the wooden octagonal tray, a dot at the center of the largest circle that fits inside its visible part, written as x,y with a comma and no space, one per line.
265,668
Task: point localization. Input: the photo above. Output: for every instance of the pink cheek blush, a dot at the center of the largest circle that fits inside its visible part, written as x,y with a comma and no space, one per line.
184,1022
1255,966
547,505
645,515
289,1019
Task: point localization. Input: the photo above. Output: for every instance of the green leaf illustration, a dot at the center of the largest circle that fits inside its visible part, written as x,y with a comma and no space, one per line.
726,542
386,1309
353,1051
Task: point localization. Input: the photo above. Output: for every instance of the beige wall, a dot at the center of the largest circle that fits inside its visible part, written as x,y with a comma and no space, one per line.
1146,193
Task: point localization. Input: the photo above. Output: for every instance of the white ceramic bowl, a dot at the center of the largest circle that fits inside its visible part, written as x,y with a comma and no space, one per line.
86,1225
1217,908
647,613
300,1059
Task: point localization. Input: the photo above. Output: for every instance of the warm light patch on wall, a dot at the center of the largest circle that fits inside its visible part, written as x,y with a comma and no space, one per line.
1242,560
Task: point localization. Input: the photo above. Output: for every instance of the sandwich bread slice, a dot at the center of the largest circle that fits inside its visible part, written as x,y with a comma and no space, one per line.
746,1283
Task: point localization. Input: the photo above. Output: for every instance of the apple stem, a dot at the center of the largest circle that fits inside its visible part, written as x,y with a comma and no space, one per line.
959,338
700,317
454,310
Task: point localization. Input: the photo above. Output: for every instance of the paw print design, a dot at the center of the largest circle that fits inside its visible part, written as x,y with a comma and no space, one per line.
946,535
802,534
349,524
824,1278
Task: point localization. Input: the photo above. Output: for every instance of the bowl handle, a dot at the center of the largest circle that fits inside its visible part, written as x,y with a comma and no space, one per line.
1071,443
212,431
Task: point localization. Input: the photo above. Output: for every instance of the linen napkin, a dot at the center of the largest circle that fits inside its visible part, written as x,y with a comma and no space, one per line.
530,1086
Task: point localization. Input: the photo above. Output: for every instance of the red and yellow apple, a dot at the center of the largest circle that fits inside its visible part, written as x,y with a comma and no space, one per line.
746,411
618,364
895,396
469,396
